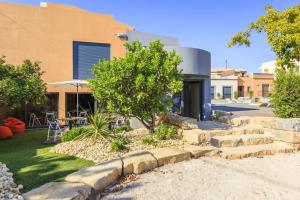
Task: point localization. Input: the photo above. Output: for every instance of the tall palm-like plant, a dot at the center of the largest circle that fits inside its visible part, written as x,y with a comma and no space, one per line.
99,126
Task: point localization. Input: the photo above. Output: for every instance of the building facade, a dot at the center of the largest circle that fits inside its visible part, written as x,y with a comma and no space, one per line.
257,85
68,41
225,83
270,67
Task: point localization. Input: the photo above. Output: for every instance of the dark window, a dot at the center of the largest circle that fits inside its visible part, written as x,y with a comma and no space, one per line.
212,92
85,55
227,92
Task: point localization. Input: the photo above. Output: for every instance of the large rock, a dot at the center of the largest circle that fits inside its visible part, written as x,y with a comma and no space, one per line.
138,162
98,176
59,191
169,155
183,122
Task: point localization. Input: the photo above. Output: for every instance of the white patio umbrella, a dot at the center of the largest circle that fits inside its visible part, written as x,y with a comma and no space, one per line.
76,83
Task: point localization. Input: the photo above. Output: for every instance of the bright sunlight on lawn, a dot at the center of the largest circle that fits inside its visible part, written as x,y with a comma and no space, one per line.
32,162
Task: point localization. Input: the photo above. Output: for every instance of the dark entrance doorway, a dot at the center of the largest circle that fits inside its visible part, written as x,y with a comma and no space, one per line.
192,97
86,103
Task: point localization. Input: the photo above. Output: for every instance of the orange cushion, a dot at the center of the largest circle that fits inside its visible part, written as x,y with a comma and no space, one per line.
5,132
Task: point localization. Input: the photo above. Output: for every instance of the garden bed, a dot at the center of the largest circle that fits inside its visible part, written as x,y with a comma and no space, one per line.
100,149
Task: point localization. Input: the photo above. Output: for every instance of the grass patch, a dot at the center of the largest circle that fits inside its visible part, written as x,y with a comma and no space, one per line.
32,162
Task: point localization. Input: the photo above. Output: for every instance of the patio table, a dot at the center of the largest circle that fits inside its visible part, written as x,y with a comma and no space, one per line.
71,120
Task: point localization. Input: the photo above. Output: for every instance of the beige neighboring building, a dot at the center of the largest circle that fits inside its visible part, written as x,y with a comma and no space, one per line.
270,67
224,83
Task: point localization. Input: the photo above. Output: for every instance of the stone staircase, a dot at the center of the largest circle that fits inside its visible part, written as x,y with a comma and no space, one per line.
237,143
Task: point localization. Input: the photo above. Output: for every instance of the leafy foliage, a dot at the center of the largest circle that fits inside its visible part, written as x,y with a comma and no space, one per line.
21,84
149,139
235,94
140,84
122,128
74,133
165,132
119,143
286,96
283,34
162,132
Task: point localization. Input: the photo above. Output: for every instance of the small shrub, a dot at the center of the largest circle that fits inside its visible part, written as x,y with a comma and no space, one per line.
149,140
165,132
122,128
218,95
74,133
235,94
119,143
285,98
250,94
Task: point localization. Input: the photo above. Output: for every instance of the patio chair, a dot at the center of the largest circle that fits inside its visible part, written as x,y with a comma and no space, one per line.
54,126
33,120
119,122
50,117
83,114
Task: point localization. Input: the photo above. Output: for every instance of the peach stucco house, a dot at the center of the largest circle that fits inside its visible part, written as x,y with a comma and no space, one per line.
68,40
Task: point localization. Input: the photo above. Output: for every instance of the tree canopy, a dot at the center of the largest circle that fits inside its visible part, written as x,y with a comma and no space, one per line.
141,84
21,84
283,34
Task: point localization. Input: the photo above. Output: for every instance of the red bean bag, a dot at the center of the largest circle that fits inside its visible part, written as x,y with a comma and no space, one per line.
16,125
5,132
18,128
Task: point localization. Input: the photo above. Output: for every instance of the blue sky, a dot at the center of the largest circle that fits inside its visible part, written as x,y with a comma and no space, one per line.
205,24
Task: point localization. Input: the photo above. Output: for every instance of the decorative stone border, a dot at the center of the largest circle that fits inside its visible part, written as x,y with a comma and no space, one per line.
87,182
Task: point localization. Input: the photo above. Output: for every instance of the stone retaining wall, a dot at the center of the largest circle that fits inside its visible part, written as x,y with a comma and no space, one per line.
87,182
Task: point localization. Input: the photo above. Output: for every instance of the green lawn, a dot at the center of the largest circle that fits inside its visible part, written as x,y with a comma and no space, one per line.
33,164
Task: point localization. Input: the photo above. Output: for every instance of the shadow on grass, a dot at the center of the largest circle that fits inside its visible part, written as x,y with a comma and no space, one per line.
32,162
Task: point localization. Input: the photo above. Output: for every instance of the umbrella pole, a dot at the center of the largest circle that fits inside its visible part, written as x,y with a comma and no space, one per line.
77,103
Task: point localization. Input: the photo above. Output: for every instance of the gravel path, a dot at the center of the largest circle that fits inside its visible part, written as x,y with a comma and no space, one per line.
272,177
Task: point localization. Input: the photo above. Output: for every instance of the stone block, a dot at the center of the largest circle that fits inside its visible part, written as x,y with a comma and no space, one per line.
59,191
198,151
169,155
98,176
138,162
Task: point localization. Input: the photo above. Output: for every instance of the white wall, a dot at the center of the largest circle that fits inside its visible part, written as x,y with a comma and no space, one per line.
226,81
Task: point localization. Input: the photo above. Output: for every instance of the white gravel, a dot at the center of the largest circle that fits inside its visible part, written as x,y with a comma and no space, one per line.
272,177
9,190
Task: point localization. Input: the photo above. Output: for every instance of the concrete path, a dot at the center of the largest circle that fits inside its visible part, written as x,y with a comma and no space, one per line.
272,178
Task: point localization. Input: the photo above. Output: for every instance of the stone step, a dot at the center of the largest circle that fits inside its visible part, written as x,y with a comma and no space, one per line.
256,150
240,140
200,137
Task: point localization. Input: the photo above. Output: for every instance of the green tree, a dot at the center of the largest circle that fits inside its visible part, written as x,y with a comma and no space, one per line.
282,29
283,34
21,84
141,84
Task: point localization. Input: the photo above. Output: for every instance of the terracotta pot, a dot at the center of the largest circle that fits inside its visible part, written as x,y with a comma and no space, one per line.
5,132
